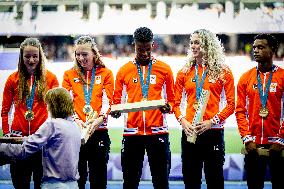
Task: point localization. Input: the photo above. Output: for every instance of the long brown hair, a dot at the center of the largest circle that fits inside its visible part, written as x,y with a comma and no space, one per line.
86,39
40,72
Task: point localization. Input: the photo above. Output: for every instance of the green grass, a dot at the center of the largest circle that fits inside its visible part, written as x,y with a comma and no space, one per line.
233,142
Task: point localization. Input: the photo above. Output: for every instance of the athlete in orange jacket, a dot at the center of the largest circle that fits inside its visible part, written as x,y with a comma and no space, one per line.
101,95
20,126
222,92
205,70
253,127
150,79
161,86
91,85
259,114
25,89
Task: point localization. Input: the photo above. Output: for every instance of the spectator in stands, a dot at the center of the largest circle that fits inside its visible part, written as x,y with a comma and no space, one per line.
259,114
204,70
91,85
145,78
60,139
24,90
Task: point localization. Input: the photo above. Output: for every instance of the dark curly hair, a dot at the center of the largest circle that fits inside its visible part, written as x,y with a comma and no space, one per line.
271,40
143,34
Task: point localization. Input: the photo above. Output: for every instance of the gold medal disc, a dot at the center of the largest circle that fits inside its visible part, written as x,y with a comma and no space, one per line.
87,109
144,99
263,112
29,115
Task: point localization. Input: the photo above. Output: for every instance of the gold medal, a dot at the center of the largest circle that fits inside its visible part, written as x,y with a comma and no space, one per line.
29,115
87,109
195,105
263,112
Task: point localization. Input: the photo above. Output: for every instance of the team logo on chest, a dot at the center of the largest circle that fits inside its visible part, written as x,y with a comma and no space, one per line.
76,80
98,79
135,80
273,87
212,81
254,86
153,79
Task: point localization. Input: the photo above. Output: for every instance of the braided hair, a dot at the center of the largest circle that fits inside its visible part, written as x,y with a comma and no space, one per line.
143,34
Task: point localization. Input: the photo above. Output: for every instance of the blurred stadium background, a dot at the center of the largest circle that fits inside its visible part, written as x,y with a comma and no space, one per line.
111,22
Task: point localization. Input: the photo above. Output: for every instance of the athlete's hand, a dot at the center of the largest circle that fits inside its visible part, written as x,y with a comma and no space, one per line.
251,147
275,149
165,109
203,126
115,114
187,127
95,124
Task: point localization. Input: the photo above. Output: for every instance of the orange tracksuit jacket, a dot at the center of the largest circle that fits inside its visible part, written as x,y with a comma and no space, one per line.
128,89
222,93
10,95
101,95
252,126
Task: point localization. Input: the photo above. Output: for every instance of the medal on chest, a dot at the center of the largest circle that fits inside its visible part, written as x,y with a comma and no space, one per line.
87,109
198,85
263,111
29,114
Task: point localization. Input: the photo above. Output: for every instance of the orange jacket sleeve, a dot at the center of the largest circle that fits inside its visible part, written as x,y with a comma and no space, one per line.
109,86
118,87
66,83
229,88
281,129
8,97
170,88
54,82
241,110
179,86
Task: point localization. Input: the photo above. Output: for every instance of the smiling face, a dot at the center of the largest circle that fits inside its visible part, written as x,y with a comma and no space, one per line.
85,56
262,52
195,44
143,51
31,58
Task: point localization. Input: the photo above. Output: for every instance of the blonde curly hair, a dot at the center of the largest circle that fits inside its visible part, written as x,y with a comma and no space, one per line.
40,72
86,39
213,54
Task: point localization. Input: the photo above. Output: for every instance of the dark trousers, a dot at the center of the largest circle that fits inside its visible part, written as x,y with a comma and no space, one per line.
22,170
159,157
207,152
94,155
256,166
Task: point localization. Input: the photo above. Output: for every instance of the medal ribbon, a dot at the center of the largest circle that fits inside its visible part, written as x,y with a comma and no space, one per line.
88,93
145,87
199,85
30,98
263,97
